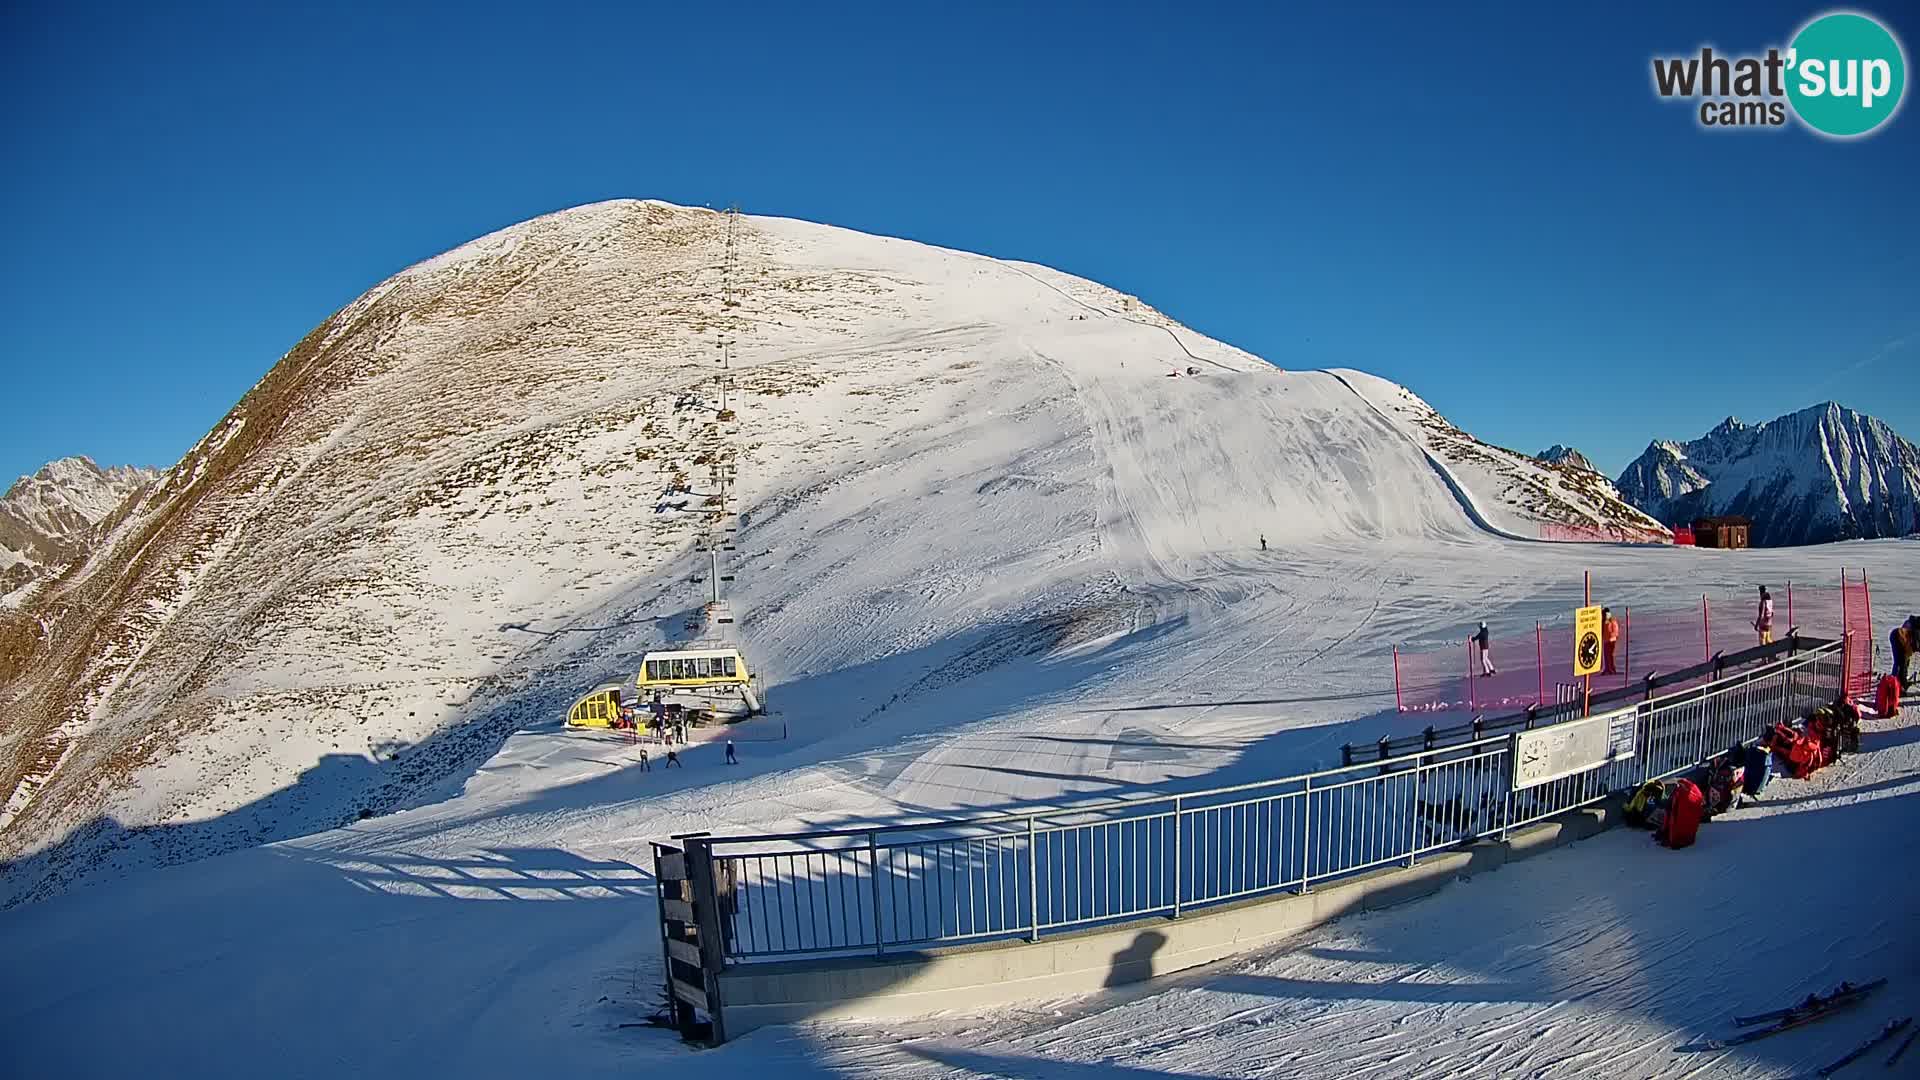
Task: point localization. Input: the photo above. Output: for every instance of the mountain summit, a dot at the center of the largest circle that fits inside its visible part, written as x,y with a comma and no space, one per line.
479,489
1824,473
1568,456
49,519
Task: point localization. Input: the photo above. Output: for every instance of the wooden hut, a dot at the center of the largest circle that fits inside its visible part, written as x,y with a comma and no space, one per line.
1721,532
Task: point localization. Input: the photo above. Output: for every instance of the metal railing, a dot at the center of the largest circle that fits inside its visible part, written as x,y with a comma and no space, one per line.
1567,700
852,891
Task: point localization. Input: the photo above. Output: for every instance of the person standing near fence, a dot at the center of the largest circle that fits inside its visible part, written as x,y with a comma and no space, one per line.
1484,642
1609,638
1763,617
1901,641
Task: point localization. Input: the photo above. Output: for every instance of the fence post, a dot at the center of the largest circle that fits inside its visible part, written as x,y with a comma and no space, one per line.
1472,705
1413,807
1706,626
1873,643
1399,705
873,870
1846,651
1176,856
1386,751
1790,602
1540,662
1306,834
1033,885
1626,636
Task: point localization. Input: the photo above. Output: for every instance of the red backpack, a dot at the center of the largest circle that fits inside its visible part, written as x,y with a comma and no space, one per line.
1886,697
1684,808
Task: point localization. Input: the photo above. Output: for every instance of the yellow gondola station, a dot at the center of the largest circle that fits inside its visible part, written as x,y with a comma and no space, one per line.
599,709
713,681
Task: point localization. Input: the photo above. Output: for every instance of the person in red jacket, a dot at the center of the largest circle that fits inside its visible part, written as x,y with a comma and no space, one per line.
1609,638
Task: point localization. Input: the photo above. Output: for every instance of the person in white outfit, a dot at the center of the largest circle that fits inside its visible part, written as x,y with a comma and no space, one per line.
1763,618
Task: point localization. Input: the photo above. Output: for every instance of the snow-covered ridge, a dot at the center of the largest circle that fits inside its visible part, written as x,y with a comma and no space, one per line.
1552,497
445,512
1824,473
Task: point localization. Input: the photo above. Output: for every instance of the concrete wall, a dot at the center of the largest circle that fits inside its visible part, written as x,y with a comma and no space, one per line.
997,973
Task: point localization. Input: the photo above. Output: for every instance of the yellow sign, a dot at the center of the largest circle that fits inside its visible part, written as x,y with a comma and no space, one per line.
1586,641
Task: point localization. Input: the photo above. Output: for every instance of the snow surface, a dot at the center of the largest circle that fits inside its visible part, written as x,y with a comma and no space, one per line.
990,554
508,930
946,464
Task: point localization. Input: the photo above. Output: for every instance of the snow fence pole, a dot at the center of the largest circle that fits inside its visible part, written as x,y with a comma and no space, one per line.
1626,632
1540,663
1706,626
1789,603
1398,704
1846,649
1471,700
1873,643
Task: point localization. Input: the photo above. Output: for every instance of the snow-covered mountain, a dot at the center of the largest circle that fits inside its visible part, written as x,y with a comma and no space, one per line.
50,518
1823,473
1566,455
475,491
1513,493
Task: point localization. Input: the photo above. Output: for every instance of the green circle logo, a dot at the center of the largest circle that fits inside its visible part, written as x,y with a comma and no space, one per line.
1846,74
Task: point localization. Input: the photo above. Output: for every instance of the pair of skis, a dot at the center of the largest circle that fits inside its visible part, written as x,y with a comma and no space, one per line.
1894,1027
1818,1007
1815,1007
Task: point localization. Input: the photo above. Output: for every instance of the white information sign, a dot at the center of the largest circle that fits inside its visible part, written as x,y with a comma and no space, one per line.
1573,747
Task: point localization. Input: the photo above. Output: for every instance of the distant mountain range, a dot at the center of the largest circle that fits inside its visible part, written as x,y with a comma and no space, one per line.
1821,474
49,519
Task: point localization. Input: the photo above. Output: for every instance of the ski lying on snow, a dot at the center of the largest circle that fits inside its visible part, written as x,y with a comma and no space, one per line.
1893,1028
1901,1049
1813,1001
1817,1008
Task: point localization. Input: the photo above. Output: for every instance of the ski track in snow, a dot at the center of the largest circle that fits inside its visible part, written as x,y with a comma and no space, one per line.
1045,586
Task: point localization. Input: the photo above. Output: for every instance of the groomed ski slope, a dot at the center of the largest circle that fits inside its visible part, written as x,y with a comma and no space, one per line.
946,464
993,556
509,930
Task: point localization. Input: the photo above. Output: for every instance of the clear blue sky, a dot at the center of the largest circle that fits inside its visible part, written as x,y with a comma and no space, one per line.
1489,206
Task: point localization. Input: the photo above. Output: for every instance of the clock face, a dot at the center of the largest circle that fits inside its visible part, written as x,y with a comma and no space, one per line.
1589,649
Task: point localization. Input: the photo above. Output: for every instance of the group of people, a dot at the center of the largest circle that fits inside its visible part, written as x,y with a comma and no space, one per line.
670,724
1762,625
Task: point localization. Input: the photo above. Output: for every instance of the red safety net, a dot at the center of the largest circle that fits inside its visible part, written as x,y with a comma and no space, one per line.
1534,664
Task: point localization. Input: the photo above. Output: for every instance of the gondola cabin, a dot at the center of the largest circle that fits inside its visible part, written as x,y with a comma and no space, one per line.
599,709
715,681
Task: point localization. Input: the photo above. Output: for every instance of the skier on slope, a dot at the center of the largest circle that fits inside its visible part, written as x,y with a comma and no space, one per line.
1484,641
1763,617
